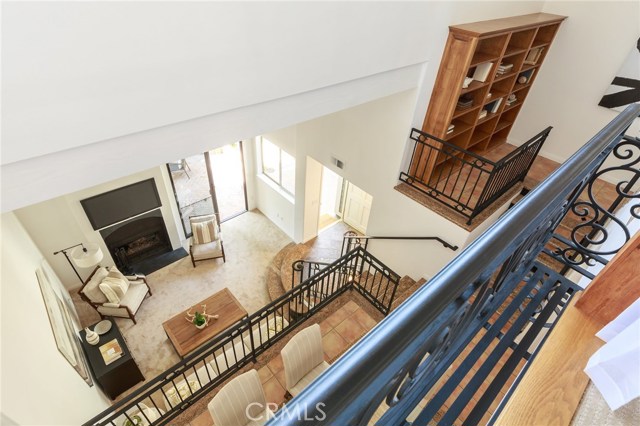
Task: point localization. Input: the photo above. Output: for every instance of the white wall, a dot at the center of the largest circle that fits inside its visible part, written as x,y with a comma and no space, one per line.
271,200
61,222
312,198
370,140
178,78
588,50
173,61
39,387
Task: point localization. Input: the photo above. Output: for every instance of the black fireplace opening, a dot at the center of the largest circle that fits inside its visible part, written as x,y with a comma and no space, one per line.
137,240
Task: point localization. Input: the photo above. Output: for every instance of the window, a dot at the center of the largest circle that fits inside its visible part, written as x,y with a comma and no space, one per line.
278,166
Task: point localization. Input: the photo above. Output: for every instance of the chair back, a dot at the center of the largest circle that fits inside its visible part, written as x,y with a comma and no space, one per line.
302,354
204,233
239,401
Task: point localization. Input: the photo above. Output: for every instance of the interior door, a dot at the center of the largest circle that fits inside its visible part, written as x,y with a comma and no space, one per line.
357,208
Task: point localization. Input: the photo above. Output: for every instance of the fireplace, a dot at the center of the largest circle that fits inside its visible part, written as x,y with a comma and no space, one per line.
137,239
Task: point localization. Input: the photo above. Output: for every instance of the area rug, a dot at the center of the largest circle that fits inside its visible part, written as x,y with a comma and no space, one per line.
250,242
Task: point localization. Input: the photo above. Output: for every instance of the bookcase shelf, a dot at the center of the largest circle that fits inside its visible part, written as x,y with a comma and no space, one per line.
487,117
460,128
511,51
513,105
507,42
475,85
462,111
495,95
481,57
502,125
504,76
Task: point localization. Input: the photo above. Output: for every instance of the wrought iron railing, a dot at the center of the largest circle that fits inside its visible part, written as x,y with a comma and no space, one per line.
352,240
163,398
305,269
396,373
464,180
589,241
366,274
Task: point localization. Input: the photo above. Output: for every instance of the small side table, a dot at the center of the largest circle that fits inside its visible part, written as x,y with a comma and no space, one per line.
121,374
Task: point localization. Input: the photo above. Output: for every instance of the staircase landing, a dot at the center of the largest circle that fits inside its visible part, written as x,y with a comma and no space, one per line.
325,247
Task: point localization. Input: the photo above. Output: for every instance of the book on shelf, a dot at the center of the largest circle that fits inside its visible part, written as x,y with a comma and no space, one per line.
483,114
482,71
451,128
496,105
467,81
533,55
111,351
464,102
504,68
511,100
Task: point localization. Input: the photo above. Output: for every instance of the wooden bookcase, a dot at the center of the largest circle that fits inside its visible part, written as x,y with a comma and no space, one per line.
469,46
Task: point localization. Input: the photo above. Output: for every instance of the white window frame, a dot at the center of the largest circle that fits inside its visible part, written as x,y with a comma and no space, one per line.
278,182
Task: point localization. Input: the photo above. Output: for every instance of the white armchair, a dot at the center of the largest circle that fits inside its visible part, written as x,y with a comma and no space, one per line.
206,242
303,359
113,294
241,402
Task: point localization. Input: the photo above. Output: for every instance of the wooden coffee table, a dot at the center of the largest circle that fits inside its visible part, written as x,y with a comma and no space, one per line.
185,337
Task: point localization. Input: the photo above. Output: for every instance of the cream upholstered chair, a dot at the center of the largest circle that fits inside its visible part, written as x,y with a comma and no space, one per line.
113,294
206,242
241,402
303,359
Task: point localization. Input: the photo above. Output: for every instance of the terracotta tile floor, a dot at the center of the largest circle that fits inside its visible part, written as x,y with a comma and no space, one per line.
340,331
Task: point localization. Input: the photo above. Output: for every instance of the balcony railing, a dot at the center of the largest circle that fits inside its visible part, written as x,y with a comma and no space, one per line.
163,398
454,351
463,180
590,242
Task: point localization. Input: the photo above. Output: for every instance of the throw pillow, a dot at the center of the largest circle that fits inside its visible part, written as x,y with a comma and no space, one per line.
118,285
115,273
108,291
91,290
204,232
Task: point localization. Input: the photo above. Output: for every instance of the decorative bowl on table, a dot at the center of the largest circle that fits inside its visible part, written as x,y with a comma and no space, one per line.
102,327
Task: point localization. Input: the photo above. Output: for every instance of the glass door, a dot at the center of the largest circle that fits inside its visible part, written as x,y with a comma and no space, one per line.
213,182
192,188
228,176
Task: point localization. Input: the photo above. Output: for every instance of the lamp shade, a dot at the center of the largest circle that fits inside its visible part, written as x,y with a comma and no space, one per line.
87,255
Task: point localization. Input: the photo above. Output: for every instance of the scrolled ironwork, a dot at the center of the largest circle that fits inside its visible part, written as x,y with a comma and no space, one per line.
383,366
590,240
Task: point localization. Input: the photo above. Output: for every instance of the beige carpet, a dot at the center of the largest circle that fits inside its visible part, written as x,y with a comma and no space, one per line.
593,410
250,242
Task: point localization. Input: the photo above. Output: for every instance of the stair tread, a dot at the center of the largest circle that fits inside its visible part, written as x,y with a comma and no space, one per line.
297,252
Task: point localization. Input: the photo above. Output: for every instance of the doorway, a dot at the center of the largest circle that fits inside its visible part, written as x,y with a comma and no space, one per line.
228,175
212,182
357,207
331,191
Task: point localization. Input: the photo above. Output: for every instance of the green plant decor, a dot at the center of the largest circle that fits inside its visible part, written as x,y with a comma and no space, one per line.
135,421
199,319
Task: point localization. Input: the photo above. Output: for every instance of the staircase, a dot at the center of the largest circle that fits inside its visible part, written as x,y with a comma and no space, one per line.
406,288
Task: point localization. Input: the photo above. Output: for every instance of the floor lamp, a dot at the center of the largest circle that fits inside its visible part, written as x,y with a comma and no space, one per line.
82,256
